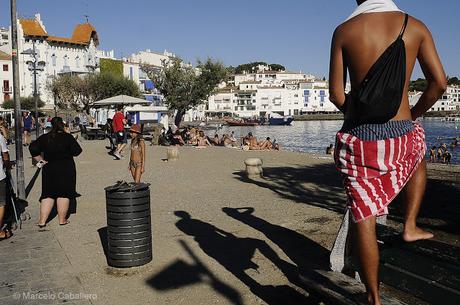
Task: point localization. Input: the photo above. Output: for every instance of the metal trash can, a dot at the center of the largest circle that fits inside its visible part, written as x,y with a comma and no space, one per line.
129,230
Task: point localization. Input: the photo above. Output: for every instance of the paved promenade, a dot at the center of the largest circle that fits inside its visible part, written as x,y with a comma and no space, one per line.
218,238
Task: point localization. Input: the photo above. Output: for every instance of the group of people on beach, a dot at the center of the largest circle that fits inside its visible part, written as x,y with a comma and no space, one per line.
195,136
440,154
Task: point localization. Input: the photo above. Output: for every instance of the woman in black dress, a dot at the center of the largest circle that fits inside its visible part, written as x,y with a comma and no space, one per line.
55,151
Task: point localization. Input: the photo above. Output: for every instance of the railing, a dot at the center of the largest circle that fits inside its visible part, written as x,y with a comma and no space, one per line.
7,89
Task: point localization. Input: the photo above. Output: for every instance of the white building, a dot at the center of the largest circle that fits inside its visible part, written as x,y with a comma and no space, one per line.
448,102
77,54
151,58
4,36
265,92
6,77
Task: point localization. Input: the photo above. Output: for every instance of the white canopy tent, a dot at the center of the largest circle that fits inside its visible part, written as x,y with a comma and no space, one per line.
120,100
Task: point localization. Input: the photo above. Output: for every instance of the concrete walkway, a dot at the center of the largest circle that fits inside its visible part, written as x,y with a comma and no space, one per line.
218,238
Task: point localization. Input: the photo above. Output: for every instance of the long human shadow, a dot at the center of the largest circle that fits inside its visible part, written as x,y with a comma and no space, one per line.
320,185
303,252
317,185
32,181
235,254
181,273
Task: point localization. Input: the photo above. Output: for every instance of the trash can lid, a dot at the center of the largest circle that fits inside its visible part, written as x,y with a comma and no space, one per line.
123,186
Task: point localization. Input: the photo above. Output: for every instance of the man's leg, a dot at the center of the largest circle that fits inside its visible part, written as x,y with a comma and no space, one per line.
367,251
413,196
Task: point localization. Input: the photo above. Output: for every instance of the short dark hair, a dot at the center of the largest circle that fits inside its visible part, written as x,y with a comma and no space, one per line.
119,107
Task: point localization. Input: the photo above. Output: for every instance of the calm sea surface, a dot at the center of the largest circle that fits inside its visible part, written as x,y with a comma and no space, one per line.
315,136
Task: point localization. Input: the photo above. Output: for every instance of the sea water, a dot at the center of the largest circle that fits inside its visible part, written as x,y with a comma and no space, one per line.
315,136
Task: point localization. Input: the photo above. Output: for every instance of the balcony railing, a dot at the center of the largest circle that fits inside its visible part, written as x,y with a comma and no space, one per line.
7,90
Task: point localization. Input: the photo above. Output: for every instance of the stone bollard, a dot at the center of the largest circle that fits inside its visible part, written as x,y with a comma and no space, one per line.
172,153
253,167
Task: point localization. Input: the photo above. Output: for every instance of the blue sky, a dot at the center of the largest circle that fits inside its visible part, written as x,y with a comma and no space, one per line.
295,33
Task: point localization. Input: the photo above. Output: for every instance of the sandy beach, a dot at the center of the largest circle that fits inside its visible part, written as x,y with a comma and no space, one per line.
221,254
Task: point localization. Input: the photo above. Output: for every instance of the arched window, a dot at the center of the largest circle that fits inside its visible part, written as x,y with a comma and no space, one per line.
77,61
66,60
53,60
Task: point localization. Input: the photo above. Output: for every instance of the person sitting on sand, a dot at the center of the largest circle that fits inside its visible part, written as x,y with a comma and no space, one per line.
177,138
232,137
266,144
252,141
203,140
330,150
226,141
215,140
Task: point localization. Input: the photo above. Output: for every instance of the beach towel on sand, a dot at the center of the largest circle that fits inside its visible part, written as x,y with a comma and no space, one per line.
374,172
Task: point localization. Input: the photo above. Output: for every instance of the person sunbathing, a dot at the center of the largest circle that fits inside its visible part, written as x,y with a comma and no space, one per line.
177,139
216,141
202,140
253,144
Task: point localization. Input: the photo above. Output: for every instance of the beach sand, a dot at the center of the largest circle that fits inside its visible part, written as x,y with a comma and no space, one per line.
222,255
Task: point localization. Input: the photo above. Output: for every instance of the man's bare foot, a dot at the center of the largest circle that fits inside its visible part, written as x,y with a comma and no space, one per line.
410,235
366,299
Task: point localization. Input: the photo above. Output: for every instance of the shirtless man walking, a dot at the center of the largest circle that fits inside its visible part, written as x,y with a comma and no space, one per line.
380,150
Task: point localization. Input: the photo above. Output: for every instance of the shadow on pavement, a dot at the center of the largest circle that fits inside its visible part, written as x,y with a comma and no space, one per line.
317,185
104,240
304,252
181,273
236,255
321,186
32,181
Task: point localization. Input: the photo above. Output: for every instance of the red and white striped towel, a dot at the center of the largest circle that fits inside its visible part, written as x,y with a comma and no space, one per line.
374,172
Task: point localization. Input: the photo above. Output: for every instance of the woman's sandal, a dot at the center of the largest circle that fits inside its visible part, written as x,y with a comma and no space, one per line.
41,226
65,223
6,235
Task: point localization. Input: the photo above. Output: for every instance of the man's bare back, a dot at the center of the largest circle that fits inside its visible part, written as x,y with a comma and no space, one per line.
359,42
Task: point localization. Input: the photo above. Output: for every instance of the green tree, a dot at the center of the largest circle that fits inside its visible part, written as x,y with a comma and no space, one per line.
249,67
453,81
277,67
79,92
183,86
252,66
418,85
111,66
27,103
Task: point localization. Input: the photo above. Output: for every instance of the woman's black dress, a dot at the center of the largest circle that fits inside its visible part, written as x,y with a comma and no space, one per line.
59,175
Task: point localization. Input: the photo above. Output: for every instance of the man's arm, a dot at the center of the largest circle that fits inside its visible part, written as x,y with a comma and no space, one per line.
434,73
337,70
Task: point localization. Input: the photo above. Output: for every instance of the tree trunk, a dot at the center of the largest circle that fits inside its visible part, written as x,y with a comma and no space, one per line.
178,117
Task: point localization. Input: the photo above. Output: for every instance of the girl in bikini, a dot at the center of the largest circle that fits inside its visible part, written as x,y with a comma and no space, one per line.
137,160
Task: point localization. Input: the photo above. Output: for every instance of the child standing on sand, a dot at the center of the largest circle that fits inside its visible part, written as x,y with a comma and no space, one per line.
137,160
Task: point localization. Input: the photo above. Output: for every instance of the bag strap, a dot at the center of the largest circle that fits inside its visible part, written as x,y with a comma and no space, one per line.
406,18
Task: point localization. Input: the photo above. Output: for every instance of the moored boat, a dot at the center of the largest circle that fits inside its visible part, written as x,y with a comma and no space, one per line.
242,123
276,119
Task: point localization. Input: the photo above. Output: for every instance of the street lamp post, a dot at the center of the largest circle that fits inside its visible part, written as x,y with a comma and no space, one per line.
35,66
21,190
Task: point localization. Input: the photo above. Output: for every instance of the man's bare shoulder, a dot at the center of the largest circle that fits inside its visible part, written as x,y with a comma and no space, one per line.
343,29
417,26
